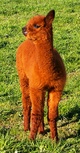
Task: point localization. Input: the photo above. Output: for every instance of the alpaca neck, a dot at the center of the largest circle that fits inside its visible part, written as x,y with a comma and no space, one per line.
45,46
44,53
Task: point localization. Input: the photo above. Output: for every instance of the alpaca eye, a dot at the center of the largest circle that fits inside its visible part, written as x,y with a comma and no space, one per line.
36,26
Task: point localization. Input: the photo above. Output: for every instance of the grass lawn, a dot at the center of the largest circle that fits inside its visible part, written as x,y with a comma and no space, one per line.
13,16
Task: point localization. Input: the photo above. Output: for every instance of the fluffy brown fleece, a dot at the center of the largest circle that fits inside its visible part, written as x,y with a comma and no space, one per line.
40,69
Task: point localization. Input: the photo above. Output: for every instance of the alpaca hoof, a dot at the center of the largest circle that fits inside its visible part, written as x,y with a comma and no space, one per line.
31,137
41,131
26,129
56,139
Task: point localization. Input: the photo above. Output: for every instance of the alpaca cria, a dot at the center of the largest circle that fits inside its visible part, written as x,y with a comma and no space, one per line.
40,69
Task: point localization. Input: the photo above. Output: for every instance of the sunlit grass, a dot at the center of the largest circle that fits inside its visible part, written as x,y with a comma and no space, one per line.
13,16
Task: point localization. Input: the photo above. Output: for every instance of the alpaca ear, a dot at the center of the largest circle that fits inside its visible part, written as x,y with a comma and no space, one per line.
50,17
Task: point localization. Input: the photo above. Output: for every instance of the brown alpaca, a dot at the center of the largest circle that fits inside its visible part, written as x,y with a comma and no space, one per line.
40,69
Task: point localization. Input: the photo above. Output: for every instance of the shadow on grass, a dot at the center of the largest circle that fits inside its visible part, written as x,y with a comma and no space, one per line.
73,135
4,114
72,117
46,131
4,130
75,111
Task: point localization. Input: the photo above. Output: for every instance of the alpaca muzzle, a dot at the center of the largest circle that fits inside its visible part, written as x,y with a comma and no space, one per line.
24,31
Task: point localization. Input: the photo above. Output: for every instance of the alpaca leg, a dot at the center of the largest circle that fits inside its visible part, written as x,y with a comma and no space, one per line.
53,101
26,111
26,104
37,111
41,126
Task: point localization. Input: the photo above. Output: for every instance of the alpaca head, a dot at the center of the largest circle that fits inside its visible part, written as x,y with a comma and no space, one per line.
39,27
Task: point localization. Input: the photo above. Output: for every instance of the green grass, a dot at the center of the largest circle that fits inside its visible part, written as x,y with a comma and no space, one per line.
13,16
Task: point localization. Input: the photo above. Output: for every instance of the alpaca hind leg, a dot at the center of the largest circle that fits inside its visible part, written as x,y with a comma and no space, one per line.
53,101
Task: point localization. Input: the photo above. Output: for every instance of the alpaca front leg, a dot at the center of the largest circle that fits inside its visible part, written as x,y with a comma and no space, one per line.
26,102
53,101
41,126
36,115
26,112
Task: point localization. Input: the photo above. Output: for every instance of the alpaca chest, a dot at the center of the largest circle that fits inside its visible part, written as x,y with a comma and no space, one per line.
39,78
